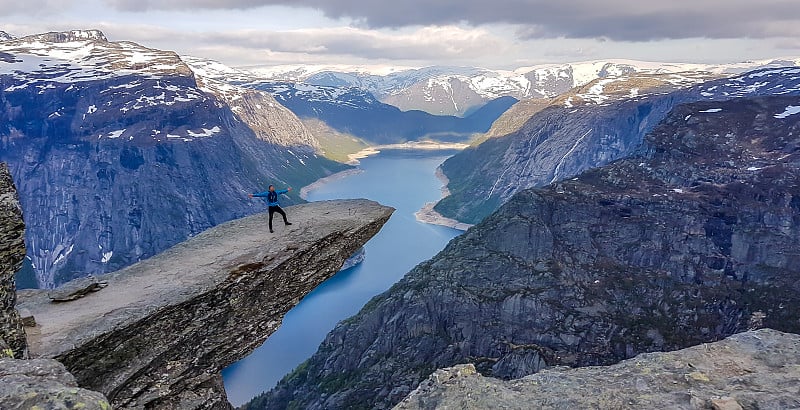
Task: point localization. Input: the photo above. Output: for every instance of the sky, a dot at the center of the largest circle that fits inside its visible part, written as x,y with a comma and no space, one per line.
498,34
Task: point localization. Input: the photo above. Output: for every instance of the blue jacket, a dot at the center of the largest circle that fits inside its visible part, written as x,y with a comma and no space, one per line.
272,197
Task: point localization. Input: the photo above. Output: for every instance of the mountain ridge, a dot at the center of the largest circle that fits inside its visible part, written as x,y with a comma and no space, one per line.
589,127
454,90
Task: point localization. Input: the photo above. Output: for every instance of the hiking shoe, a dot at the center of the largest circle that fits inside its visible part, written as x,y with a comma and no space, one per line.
288,223
271,231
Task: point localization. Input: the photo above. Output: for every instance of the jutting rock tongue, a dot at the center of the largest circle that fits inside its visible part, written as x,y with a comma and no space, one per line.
158,335
12,252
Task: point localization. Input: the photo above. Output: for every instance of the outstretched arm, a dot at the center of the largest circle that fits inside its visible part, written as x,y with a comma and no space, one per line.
283,191
260,194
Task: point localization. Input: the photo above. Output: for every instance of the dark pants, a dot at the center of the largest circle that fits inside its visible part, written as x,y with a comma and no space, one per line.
277,209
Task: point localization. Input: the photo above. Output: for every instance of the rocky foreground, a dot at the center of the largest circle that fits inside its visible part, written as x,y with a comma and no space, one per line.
157,334
752,370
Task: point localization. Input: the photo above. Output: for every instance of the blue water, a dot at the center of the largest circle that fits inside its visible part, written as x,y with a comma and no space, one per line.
401,179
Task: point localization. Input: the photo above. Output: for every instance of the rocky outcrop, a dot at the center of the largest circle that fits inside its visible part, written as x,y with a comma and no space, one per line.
12,252
118,154
43,384
751,370
589,127
161,331
694,239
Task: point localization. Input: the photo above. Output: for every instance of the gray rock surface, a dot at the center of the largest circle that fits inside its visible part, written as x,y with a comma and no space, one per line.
12,252
589,127
694,239
43,384
76,289
752,370
164,328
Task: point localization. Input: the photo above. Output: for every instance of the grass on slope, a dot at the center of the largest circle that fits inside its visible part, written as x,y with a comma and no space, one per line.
335,145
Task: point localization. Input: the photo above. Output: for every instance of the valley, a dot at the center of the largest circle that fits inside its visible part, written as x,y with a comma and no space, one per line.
462,236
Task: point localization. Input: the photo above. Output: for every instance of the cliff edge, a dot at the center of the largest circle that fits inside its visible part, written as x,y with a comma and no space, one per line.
159,332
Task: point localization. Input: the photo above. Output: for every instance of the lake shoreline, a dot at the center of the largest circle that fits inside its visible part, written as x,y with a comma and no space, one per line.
429,215
398,178
407,146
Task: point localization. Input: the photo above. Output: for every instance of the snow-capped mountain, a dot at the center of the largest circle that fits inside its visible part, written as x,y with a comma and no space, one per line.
120,151
271,121
5,36
458,90
354,110
589,127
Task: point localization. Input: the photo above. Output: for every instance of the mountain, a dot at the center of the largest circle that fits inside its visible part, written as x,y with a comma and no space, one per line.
459,90
271,121
585,128
690,240
5,36
354,111
118,153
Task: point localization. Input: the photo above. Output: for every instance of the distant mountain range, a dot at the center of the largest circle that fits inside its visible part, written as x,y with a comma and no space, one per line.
120,151
460,90
354,110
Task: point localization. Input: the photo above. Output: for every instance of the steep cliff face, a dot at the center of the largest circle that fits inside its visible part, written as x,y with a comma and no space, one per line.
161,331
601,122
692,240
118,154
749,370
12,251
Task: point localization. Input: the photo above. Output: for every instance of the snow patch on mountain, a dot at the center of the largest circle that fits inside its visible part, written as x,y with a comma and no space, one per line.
81,56
790,110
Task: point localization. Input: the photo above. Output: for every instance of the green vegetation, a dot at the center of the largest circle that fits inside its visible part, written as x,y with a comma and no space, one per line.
335,145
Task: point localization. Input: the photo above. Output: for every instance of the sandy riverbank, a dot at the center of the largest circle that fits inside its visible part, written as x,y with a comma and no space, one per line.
429,216
421,145
322,181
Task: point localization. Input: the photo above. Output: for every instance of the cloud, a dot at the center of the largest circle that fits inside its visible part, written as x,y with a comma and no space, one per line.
425,43
30,7
621,20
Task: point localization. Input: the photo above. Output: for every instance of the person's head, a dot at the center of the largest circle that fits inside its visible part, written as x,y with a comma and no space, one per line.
271,188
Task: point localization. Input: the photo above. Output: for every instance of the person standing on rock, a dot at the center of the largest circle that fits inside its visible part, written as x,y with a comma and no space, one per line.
272,203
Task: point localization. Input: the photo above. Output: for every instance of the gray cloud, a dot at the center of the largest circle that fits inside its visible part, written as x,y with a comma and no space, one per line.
29,7
621,20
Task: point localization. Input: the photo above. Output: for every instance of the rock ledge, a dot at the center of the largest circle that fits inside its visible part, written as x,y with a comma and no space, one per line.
160,332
